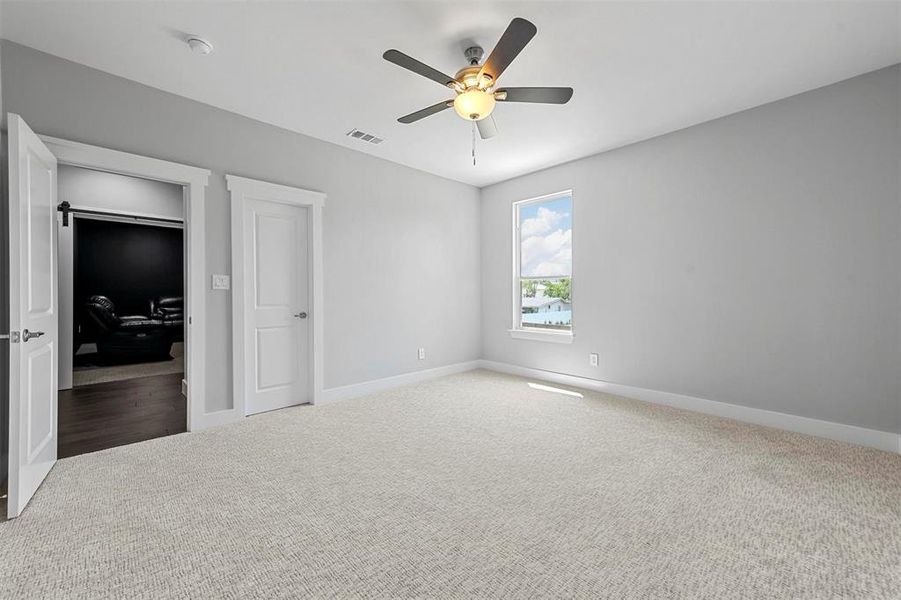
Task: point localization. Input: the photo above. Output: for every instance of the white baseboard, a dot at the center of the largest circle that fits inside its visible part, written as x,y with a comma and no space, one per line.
379,385
872,438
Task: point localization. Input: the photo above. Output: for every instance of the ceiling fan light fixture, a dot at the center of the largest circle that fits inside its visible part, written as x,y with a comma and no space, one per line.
474,104
476,85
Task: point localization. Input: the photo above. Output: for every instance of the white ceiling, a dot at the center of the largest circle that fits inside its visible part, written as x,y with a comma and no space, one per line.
639,69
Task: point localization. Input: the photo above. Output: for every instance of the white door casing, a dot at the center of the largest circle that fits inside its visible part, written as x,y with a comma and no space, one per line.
33,314
194,182
276,295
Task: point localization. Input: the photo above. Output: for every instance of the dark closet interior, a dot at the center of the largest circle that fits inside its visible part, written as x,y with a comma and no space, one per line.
131,264
128,262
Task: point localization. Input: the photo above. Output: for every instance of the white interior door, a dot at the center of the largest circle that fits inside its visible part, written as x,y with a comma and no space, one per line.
33,305
276,301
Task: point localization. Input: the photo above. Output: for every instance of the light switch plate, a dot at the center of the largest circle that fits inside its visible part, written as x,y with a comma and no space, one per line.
221,282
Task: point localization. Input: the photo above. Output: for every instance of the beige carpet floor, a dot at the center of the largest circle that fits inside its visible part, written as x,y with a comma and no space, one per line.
103,374
470,486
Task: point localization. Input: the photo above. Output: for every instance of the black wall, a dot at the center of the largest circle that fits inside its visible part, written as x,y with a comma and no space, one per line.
128,263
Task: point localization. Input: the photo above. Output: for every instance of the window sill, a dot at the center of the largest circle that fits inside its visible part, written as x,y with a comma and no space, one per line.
557,337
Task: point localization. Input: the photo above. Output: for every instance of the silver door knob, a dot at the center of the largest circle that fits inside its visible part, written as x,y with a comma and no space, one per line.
301,315
27,335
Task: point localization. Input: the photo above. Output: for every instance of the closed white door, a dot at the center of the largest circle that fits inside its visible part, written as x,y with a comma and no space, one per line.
33,357
276,301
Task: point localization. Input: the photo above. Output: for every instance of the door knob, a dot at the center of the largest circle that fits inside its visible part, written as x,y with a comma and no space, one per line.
27,335
301,315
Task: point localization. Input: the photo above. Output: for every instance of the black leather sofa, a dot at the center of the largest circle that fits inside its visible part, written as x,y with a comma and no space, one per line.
125,338
171,311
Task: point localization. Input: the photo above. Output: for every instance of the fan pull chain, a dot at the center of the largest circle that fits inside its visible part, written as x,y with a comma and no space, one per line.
473,143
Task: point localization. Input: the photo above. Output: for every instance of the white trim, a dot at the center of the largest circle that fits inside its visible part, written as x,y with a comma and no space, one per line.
872,438
538,335
241,188
356,390
65,276
274,192
124,163
194,181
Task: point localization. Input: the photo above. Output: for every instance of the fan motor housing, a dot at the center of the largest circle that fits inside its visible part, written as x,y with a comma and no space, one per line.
468,76
474,55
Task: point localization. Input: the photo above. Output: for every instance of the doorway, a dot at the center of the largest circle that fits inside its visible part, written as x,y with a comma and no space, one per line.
277,302
121,310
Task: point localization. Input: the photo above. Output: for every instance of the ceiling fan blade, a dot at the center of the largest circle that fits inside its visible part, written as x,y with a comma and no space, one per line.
515,38
544,95
487,127
425,112
402,60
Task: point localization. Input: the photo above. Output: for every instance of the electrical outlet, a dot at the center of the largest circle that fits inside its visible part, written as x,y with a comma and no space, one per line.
593,359
221,282
421,354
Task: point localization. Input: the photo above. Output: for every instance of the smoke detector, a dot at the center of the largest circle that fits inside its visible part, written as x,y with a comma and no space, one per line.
199,45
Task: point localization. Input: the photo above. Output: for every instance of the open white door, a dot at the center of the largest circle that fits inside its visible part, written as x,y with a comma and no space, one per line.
34,346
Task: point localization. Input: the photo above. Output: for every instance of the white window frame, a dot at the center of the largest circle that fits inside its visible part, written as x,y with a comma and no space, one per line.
517,331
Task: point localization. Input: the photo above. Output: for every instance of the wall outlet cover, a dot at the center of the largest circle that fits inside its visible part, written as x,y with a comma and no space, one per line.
421,354
221,282
593,359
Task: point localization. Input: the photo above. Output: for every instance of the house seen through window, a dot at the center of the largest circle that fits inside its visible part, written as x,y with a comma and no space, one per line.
544,263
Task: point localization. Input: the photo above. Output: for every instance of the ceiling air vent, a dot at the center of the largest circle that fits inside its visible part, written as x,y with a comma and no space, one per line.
365,137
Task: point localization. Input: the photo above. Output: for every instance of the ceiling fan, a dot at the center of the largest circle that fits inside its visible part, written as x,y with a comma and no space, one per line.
476,85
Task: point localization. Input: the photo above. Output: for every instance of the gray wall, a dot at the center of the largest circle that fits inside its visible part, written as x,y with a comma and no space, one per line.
97,190
400,246
752,260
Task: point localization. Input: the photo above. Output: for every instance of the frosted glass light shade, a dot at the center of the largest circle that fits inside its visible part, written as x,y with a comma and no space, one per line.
474,104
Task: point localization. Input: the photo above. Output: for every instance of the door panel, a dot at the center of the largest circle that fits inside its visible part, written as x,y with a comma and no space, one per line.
40,412
276,272
33,312
276,357
41,228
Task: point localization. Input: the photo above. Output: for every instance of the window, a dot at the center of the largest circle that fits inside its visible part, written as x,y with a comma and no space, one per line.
543,267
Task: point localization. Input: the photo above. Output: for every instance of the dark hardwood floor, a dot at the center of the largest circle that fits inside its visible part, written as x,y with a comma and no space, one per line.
104,415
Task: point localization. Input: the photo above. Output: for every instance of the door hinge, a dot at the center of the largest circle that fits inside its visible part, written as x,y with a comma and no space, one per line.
12,336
